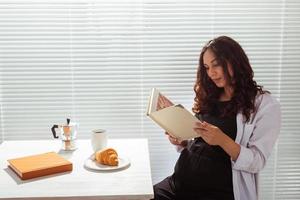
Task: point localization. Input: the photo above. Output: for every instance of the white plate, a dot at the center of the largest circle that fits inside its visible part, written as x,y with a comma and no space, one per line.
92,164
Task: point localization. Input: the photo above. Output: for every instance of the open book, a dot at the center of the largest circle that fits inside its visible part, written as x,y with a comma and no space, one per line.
175,119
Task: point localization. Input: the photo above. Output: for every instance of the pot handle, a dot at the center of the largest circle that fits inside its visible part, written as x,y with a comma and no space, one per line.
53,130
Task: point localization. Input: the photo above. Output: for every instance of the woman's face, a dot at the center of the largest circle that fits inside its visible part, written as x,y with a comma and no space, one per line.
215,71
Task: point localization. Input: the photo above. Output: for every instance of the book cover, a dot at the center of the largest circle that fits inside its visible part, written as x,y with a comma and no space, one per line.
175,119
39,165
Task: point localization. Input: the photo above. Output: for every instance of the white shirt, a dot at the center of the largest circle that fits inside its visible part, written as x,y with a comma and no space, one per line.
256,138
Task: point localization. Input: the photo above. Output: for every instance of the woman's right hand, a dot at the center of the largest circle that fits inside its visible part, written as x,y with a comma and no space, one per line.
175,141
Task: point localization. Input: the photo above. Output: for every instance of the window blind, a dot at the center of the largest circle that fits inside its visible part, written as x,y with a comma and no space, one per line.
287,173
96,61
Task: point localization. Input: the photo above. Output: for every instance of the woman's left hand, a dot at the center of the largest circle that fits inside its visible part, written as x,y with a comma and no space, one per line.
211,134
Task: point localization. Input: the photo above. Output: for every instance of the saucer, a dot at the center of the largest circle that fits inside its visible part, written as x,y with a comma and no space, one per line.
91,163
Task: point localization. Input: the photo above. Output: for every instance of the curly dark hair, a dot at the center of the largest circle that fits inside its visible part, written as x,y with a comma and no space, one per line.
227,50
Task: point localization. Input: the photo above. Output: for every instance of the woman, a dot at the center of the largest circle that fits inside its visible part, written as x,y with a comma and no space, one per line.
239,126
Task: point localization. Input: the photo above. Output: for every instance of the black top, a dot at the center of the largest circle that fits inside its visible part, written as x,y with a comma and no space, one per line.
204,171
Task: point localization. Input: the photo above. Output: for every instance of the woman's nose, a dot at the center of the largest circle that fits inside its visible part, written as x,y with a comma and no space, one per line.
211,73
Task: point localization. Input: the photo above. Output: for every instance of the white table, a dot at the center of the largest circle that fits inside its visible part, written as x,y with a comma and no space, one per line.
133,182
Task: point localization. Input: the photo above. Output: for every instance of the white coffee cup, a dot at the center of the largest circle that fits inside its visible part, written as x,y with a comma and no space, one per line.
99,139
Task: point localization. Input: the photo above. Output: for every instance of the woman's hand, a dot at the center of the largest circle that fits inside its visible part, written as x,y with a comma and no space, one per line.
211,134
176,141
163,102
214,136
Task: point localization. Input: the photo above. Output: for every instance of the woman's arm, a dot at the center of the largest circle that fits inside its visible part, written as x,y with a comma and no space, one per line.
230,147
250,155
255,152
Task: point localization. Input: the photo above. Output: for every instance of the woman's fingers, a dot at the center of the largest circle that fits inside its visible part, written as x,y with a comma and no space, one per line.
200,126
176,141
201,131
159,104
203,125
173,140
163,102
167,102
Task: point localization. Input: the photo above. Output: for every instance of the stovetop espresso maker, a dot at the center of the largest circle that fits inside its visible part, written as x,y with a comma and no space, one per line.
67,133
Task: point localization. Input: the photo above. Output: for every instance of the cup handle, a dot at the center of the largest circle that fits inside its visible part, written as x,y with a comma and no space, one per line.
53,130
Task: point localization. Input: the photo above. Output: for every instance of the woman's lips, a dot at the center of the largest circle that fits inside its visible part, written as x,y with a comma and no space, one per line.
217,79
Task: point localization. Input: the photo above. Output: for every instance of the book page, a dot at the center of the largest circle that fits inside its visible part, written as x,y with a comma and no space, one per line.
177,121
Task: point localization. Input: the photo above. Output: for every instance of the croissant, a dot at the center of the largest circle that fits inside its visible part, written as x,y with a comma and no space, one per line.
108,156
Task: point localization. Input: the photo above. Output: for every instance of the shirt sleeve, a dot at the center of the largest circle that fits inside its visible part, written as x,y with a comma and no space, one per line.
253,156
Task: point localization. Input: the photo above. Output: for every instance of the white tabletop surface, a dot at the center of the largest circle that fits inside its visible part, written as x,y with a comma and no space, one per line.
133,182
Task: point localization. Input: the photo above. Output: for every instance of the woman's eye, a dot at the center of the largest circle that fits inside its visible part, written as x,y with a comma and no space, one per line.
216,65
